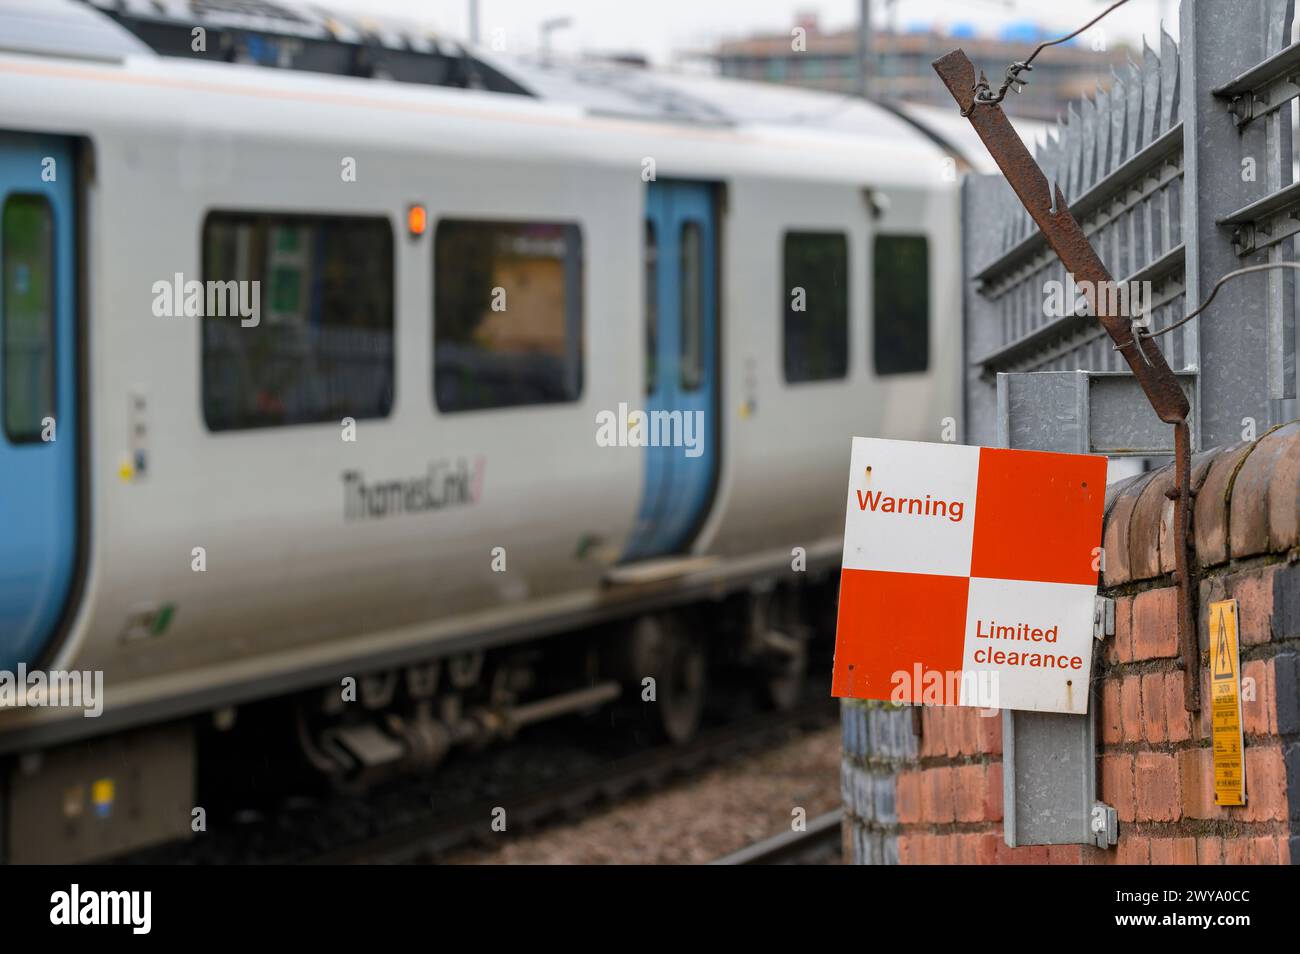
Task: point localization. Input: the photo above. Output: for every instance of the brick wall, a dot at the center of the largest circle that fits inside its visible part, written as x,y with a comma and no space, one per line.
935,795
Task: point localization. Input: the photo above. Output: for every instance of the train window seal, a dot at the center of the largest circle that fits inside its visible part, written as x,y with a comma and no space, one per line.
900,264
809,353
558,378
380,403
30,434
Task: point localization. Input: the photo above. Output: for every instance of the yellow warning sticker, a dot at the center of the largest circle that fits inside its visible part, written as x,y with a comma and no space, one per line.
1225,703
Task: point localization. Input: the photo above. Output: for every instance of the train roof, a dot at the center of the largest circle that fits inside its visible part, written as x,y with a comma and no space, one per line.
419,74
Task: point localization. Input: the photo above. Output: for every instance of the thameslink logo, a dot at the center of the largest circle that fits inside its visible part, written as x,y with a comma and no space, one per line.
638,428
57,689
72,907
194,299
447,483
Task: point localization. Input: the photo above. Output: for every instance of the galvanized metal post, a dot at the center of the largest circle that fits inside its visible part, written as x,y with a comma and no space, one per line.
1240,348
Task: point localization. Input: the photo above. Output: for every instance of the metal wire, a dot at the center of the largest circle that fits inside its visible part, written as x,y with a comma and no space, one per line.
1143,333
984,94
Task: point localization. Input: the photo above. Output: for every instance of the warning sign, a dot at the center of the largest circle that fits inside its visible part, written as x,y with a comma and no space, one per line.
1225,702
969,576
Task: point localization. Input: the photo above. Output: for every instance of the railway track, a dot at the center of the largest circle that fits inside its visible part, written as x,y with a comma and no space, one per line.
430,838
554,773
819,843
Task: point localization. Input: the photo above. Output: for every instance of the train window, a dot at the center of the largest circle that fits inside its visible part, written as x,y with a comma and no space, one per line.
507,314
692,318
816,306
311,336
27,316
901,279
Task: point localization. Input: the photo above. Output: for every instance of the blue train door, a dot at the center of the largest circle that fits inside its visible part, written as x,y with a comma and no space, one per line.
681,367
38,407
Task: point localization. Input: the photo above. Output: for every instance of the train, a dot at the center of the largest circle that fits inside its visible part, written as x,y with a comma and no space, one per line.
406,402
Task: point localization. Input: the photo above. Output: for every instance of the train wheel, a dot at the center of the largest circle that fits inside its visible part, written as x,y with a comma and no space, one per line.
683,686
662,648
786,672
779,641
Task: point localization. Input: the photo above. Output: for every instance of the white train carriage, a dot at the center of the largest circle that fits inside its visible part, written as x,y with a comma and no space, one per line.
308,377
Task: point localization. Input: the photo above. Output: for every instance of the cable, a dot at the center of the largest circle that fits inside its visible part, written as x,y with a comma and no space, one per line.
984,94
1209,298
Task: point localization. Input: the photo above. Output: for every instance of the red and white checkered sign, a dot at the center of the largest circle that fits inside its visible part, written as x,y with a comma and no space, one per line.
969,576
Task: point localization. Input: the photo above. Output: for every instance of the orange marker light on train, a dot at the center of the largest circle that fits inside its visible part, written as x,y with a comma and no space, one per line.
417,220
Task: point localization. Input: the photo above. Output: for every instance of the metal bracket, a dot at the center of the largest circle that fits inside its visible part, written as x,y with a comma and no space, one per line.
1104,825
1264,87
1103,617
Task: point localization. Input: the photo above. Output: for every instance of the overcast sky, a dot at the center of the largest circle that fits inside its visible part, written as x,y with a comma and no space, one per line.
660,28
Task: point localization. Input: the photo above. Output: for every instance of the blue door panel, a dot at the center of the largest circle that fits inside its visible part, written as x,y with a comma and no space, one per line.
38,490
678,487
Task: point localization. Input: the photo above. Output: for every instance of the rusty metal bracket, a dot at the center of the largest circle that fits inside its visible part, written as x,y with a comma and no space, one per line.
1050,211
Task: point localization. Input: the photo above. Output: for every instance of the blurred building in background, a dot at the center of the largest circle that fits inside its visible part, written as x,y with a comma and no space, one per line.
899,66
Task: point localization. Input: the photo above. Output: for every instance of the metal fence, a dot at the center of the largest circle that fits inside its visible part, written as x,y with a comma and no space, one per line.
1178,173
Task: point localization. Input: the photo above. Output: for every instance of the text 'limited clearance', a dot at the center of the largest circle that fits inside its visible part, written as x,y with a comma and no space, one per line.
1024,632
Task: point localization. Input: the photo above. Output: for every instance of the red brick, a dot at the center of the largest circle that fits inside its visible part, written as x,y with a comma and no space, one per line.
1263,850
990,732
1253,592
908,792
952,849
968,784
1117,784
937,795
970,731
1236,851
1265,508
932,734
1064,855
993,792
1112,727
1209,850
1123,642
1265,785
988,848
1157,786
952,731
1154,720
1097,856
1258,698
1115,536
1155,624
1196,780
922,843
1176,715
1133,850
907,849
1210,511
1130,708
1173,851
1032,855
968,849
1144,525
